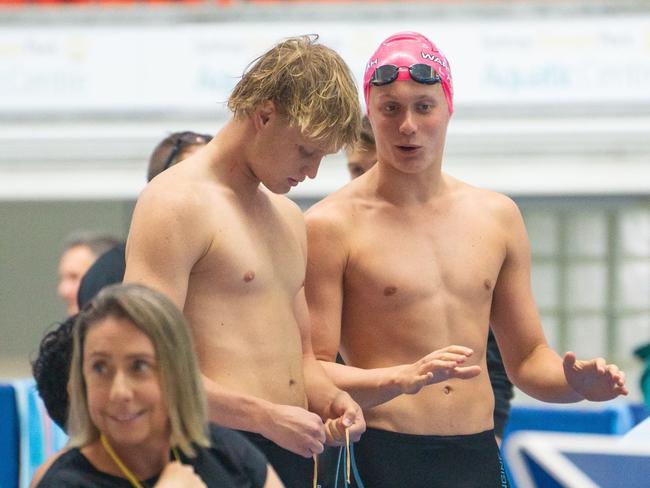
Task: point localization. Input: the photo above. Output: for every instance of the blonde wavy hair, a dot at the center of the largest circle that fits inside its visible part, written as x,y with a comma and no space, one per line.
161,321
308,83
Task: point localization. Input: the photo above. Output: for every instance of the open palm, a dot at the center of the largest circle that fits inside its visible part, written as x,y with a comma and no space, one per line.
594,379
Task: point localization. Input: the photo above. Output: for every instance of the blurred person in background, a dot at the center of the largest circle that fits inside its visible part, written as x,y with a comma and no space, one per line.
174,148
362,155
51,369
80,251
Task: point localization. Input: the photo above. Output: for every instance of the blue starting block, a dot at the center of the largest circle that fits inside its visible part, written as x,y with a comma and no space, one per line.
550,460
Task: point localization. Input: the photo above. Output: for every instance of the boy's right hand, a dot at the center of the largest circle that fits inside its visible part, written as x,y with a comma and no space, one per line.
295,429
435,367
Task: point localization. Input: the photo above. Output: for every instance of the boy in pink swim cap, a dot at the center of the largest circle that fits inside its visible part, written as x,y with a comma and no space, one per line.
408,268
409,55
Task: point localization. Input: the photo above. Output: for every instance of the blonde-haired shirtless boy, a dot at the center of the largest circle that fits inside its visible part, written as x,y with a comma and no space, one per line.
216,235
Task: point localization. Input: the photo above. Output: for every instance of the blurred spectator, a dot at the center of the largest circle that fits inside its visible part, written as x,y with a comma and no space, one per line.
51,368
79,253
174,148
362,155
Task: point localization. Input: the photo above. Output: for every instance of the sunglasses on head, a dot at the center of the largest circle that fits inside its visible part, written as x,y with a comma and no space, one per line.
181,141
419,72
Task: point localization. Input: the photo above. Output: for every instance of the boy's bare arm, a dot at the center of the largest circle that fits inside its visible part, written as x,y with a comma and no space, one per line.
165,241
531,364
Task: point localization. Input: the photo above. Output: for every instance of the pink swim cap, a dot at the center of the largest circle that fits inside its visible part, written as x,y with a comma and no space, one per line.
404,49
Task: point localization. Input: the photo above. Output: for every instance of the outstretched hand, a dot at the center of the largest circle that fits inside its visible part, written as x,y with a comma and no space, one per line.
435,367
594,379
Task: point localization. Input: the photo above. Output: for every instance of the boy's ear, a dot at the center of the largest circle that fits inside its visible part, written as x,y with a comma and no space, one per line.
263,114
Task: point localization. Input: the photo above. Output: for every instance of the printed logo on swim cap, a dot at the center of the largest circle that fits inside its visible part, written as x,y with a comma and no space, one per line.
405,49
372,63
432,57
426,56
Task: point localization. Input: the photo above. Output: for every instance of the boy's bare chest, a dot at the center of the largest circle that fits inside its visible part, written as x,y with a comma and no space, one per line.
408,262
251,254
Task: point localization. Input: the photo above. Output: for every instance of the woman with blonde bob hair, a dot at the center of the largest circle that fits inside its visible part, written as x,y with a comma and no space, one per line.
137,407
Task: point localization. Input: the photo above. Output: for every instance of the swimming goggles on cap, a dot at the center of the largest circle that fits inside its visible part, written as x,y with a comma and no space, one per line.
419,72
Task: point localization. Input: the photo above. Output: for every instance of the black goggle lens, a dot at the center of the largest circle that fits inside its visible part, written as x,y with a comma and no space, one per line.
420,73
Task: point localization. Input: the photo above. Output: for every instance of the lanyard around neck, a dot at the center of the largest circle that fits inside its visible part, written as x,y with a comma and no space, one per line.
126,471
